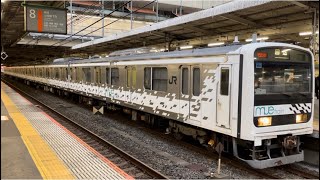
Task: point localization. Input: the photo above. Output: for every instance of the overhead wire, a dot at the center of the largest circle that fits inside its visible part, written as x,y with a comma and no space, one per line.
80,18
111,22
90,25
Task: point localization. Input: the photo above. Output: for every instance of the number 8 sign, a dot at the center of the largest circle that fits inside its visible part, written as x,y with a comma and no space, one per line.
45,19
32,13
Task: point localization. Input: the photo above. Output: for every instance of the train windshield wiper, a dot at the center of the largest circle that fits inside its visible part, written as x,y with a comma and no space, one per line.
303,94
289,95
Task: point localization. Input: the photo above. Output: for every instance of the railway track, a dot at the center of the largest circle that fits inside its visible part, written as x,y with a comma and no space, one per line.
228,160
232,161
302,172
123,160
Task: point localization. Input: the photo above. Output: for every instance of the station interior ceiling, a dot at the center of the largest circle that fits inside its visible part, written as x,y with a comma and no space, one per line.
280,21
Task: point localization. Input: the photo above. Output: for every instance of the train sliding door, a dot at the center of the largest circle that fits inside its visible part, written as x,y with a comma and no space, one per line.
223,96
190,94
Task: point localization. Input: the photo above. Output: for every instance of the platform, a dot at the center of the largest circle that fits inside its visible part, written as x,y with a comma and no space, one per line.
35,146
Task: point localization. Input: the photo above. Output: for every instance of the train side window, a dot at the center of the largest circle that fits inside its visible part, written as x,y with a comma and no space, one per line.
159,79
108,76
51,73
86,75
74,74
40,72
196,81
185,81
147,78
66,75
98,75
57,74
47,72
114,76
224,80
62,73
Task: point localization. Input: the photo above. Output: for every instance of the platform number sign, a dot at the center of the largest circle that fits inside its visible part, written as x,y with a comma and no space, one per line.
45,20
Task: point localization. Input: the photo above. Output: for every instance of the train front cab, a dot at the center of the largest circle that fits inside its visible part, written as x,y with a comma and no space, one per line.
277,104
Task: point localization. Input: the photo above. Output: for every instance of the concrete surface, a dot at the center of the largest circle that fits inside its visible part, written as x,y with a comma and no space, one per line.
16,162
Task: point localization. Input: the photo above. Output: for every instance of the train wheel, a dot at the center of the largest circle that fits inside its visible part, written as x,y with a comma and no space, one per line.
178,135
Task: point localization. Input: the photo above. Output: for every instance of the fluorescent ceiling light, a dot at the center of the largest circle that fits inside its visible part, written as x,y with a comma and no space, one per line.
186,47
258,39
3,1
216,44
307,33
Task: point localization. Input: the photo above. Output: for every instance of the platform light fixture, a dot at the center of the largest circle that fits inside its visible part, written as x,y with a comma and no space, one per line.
308,33
186,47
258,39
215,44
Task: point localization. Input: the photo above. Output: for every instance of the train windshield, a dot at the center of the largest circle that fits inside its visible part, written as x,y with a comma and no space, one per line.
282,70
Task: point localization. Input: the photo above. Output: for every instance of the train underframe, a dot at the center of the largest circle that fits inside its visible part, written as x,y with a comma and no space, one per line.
273,152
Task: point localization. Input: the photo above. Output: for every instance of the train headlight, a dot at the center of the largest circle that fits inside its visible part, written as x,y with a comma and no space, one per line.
301,118
264,121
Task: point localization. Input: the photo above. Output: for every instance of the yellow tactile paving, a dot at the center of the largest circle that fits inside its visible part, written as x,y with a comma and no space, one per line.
46,160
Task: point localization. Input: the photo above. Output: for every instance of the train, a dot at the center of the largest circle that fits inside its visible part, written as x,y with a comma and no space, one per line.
256,99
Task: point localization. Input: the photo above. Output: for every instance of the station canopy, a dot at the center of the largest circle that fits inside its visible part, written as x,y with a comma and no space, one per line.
280,21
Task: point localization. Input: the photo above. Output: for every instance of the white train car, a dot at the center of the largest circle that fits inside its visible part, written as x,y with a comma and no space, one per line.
256,99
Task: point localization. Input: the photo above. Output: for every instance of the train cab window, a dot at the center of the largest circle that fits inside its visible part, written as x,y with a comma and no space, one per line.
159,79
114,76
196,81
185,81
97,75
107,75
86,75
224,80
147,78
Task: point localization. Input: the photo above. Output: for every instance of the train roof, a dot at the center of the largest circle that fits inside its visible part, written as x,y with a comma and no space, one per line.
162,55
201,52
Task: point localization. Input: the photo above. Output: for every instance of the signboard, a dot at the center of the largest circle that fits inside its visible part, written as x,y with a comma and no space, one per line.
45,20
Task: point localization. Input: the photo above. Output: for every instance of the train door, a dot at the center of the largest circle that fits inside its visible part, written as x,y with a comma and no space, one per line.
131,82
224,96
190,93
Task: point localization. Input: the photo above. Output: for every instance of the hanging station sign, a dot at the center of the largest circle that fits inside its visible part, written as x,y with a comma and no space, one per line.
45,19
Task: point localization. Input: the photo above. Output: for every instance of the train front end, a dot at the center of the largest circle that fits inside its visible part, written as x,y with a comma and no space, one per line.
281,89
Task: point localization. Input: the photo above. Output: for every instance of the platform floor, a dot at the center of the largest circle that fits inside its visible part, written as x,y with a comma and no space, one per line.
35,146
16,162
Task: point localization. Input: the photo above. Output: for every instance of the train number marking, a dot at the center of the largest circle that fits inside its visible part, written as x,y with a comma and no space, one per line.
173,80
